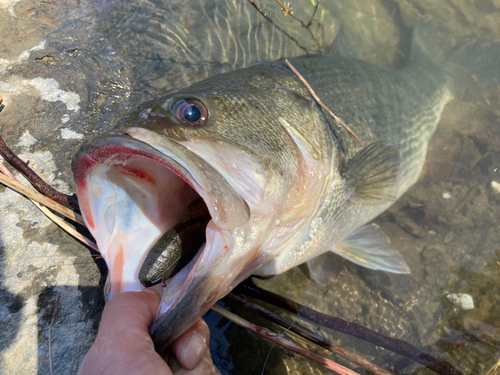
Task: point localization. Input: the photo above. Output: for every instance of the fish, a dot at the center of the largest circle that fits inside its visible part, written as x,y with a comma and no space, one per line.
283,182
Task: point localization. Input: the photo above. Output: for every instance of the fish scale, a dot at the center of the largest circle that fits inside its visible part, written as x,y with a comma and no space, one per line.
399,107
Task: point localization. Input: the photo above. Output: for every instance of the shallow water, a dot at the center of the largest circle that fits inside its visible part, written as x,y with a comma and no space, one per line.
117,55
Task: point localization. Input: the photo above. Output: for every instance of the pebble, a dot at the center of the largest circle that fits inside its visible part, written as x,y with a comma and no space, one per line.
448,238
462,300
495,186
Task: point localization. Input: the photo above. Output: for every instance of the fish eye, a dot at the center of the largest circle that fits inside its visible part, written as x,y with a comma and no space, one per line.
191,112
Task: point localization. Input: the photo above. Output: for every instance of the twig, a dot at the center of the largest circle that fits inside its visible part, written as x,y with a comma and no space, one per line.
50,334
313,94
495,370
353,329
275,338
68,228
314,13
12,182
307,334
42,199
32,177
277,27
287,10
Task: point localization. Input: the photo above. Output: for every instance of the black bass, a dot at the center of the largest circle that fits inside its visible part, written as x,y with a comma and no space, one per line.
282,181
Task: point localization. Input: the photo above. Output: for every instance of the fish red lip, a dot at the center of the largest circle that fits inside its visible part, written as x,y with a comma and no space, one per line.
104,149
227,208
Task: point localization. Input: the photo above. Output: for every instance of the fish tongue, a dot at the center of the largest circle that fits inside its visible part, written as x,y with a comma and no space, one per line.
175,249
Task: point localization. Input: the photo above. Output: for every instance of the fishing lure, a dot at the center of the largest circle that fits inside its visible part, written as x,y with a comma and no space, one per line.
176,247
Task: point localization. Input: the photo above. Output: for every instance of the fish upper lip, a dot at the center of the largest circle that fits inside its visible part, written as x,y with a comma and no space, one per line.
227,208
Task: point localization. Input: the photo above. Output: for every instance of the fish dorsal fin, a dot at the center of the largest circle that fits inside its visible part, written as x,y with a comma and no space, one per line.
341,45
420,37
372,174
369,247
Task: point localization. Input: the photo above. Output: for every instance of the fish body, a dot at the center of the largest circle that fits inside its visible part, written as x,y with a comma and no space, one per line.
283,182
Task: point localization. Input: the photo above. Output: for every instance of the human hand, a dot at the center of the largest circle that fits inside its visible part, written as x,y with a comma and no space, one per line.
124,346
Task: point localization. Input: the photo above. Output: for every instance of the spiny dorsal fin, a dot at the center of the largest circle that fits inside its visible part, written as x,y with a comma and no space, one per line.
372,175
369,247
342,45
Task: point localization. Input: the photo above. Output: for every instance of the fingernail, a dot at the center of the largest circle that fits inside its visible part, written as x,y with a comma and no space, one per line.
194,350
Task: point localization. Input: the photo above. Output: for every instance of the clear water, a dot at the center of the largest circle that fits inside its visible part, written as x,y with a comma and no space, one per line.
446,226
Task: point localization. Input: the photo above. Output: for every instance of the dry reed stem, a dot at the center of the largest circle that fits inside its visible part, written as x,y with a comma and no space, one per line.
10,180
280,340
40,198
495,370
307,334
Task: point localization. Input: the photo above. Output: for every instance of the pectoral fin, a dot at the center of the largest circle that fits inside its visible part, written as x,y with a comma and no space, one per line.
369,247
372,174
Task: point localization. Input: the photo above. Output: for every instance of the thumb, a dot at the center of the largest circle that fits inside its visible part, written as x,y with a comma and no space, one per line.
123,344
135,310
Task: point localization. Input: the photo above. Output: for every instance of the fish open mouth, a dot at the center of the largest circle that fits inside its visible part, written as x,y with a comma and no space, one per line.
134,187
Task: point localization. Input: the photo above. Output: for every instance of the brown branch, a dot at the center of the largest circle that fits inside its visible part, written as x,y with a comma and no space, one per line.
277,27
309,335
36,180
313,94
280,340
314,14
353,329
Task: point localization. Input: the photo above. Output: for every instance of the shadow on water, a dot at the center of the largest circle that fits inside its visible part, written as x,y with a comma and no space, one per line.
12,306
78,312
79,307
64,326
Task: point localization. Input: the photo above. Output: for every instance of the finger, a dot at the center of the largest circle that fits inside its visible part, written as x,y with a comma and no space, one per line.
123,344
191,346
205,367
136,311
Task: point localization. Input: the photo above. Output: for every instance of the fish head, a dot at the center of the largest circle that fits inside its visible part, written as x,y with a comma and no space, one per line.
224,140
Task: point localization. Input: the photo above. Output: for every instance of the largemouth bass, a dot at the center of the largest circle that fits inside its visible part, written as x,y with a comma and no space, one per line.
283,182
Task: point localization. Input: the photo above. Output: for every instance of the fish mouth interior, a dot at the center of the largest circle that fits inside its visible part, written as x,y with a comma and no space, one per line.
129,198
